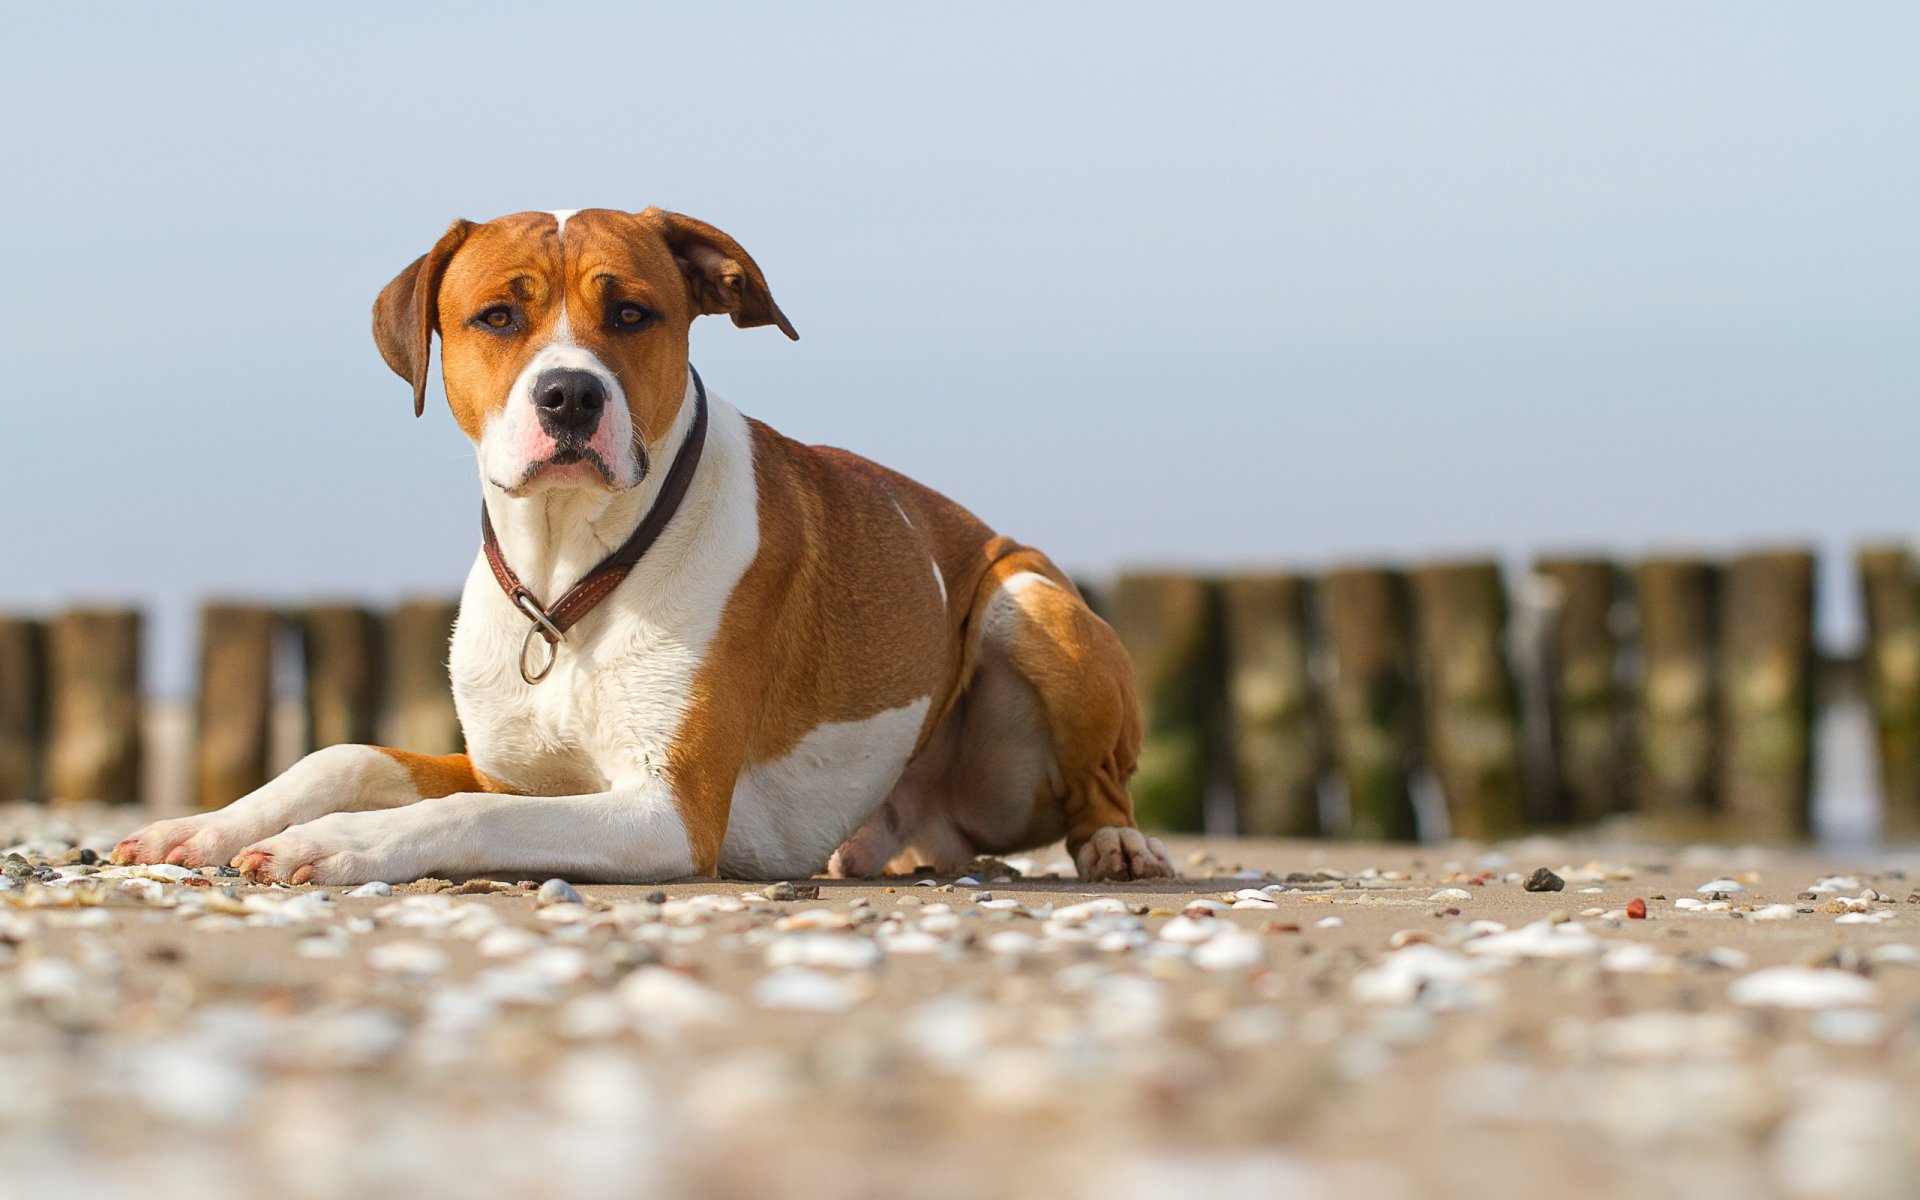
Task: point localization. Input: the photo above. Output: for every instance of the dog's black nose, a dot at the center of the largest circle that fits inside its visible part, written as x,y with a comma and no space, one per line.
569,402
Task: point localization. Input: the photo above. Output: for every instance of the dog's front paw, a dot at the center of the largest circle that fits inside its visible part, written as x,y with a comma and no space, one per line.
333,849
1119,853
206,840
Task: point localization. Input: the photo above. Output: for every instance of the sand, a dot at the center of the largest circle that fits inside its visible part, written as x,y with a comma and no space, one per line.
1287,1019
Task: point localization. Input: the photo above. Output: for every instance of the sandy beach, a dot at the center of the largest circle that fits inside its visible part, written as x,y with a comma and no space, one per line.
1289,1019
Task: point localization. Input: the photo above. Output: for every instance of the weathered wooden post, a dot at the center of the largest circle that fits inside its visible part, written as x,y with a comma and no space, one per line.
1676,717
23,706
423,717
1767,695
341,646
1472,718
1582,656
1890,590
1277,744
1371,699
93,678
235,704
1170,626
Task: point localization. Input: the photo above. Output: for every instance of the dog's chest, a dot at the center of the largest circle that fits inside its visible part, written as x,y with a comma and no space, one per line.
609,711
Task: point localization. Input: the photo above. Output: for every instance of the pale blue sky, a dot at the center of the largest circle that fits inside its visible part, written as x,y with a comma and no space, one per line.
1274,283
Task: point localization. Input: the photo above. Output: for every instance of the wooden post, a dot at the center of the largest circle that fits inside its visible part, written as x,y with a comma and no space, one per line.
423,717
93,678
235,708
1890,590
23,707
1582,656
1169,624
1472,717
341,645
1678,728
1767,695
1371,699
1277,744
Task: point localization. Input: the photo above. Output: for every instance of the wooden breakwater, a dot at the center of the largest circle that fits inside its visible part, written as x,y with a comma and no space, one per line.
1371,701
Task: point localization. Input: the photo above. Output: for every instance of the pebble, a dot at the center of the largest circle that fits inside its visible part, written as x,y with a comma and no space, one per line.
375,888
1544,880
1636,909
558,891
780,891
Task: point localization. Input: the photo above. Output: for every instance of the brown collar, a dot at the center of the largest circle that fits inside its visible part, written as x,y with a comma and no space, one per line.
552,623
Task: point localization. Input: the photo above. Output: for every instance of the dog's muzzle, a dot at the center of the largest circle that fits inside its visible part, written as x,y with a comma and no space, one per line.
569,403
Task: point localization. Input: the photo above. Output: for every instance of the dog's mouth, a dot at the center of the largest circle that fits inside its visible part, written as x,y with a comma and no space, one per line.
566,465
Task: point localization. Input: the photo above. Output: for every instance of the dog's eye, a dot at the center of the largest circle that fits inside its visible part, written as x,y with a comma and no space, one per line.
627,315
498,317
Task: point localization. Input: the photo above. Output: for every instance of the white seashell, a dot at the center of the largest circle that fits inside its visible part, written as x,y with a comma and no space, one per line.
911,941
374,888
1088,909
408,958
1188,929
1011,942
1834,883
509,941
800,989
1454,894
1328,923
1803,987
1720,885
1636,958
1229,952
1542,939
1402,976
658,997
824,950
1772,912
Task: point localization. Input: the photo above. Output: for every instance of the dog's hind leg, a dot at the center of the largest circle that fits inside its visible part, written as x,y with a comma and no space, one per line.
1036,626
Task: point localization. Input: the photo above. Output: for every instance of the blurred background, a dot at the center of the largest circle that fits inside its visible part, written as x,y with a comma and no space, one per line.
1260,287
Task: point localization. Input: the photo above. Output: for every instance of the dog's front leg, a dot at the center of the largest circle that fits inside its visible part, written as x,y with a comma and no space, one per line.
334,779
634,832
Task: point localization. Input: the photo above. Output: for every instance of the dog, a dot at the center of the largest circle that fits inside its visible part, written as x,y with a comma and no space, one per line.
691,646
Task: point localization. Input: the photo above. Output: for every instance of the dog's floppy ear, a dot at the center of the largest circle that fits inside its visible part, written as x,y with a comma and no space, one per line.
721,277
407,313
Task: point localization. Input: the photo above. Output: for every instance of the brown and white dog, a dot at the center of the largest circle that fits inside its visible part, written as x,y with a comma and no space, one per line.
818,664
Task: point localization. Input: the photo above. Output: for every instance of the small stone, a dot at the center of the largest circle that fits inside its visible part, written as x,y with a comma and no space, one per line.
656,897
1636,909
558,891
780,891
1544,880
375,888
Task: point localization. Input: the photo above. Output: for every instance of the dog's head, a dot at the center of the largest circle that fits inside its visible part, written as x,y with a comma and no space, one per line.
564,335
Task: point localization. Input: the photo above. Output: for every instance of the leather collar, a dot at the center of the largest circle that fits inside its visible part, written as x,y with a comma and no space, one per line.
553,622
